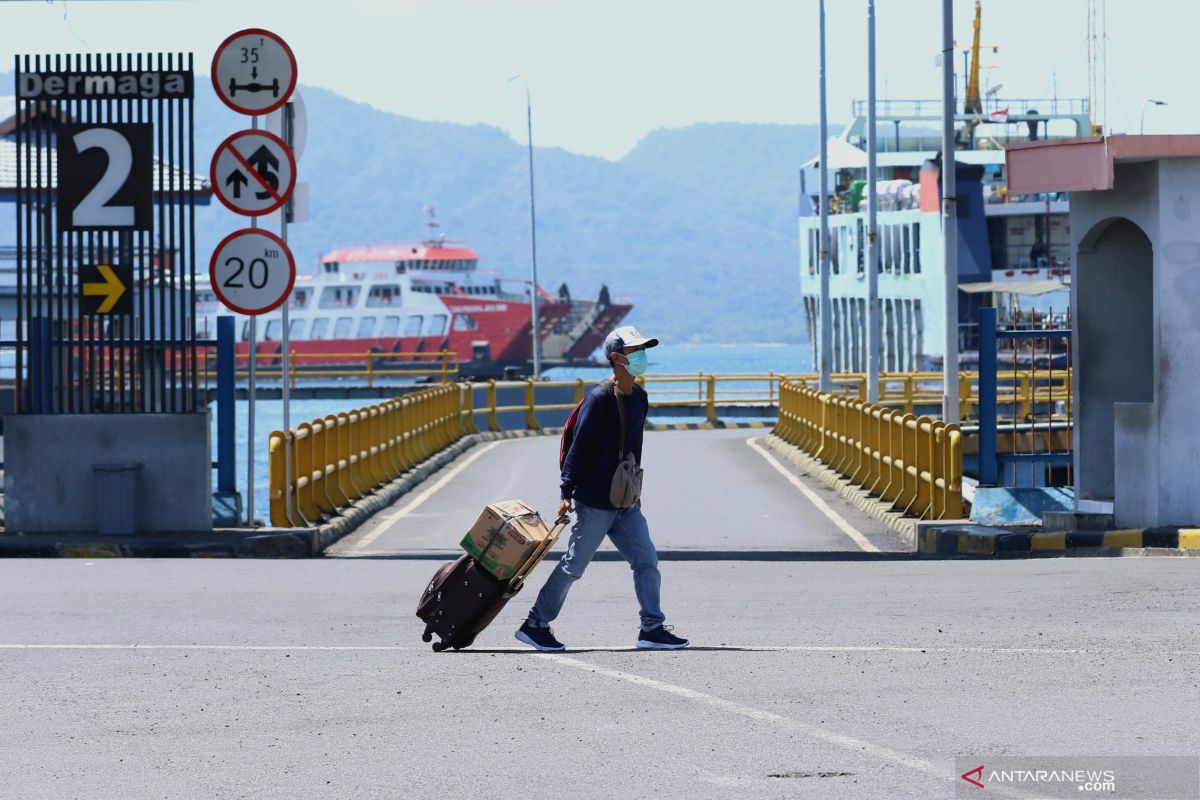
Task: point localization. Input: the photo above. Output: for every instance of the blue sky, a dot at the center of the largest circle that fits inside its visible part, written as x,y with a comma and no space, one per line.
605,72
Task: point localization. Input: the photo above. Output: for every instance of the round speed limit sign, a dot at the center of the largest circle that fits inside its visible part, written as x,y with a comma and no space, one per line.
252,271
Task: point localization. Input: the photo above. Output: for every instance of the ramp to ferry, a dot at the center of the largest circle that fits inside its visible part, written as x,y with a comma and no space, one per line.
706,492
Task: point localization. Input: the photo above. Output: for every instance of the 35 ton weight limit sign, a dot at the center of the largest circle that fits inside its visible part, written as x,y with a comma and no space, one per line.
252,271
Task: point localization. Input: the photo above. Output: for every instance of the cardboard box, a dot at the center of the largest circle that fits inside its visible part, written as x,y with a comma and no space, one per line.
505,536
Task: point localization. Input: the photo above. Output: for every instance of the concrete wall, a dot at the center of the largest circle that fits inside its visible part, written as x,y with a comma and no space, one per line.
1177,374
1137,359
50,487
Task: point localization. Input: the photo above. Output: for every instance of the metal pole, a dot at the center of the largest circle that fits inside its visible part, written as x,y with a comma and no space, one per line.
285,126
226,397
873,329
949,220
825,312
250,396
533,292
988,473
253,344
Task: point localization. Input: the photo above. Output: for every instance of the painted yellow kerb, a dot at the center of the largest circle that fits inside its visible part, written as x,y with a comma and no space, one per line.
976,545
1125,538
1189,538
1048,541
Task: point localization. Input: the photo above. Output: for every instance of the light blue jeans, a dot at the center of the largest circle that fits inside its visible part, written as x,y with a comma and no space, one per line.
630,535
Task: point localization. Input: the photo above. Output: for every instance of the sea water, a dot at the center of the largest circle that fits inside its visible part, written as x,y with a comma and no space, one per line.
760,358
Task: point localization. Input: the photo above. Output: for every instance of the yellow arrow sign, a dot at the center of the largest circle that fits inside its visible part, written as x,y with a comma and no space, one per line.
111,289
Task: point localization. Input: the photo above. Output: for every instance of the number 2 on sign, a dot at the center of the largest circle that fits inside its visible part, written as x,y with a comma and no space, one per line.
241,266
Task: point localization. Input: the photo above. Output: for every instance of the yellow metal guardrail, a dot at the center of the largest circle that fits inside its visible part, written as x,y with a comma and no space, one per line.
339,458
910,390
915,463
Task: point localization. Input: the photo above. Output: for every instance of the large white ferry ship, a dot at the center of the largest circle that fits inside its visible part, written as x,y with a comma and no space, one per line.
1013,246
405,303
1013,251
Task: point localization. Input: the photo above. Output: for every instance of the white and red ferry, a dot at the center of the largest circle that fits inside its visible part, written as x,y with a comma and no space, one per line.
416,300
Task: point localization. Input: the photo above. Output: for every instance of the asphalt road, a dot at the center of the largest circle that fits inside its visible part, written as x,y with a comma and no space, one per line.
703,490
289,679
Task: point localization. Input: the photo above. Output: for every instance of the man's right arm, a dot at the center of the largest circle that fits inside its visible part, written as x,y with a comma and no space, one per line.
580,456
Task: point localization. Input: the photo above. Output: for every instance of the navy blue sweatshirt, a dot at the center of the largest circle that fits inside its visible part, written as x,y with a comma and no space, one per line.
590,463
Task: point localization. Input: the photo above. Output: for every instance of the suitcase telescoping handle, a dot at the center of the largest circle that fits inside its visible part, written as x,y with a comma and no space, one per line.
518,581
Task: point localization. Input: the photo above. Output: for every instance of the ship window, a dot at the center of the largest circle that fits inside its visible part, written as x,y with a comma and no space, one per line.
338,296
860,241
897,256
383,295
366,327
320,326
437,325
246,331
274,329
342,328
296,329
391,326
916,247
907,248
331,266
412,325
300,298
835,261
465,322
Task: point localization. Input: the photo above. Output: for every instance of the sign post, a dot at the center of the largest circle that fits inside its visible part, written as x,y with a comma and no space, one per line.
254,173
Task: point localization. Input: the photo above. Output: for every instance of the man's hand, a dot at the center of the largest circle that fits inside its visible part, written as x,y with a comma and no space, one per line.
565,507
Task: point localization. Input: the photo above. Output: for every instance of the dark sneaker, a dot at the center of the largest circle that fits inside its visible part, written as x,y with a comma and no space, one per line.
660,638
539,638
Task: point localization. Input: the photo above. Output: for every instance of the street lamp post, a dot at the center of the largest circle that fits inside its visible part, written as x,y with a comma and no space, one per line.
825,304
949,221
1149,102
535,326
873,328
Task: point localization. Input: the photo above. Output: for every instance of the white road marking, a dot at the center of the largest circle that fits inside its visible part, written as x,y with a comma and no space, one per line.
845,527
395,648
386,520
879,752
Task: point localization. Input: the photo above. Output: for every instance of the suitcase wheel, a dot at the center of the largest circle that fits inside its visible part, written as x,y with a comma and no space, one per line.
440,646
427,635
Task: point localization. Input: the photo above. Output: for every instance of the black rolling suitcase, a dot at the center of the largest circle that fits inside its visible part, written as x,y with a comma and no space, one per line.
463,598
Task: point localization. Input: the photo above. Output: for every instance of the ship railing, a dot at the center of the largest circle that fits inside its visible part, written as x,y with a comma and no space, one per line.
1017,106
370,366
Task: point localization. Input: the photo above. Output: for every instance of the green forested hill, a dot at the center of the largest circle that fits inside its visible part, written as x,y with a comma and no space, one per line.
696,226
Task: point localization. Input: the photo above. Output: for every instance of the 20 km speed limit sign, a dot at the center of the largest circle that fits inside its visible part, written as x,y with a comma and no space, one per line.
252,271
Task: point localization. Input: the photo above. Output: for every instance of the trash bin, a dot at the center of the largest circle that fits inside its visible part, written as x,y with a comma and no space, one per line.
117,497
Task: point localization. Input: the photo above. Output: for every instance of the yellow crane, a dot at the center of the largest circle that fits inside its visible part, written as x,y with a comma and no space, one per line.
973,103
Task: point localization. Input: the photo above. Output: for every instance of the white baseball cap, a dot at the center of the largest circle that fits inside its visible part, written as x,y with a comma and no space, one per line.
626,336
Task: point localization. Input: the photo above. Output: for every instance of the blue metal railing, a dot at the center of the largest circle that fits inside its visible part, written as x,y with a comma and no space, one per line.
990,461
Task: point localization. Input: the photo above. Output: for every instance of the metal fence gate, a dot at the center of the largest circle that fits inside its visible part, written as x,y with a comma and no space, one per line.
106,292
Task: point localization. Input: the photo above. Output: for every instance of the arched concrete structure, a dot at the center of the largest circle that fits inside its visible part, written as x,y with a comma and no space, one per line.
1135,297
1114,343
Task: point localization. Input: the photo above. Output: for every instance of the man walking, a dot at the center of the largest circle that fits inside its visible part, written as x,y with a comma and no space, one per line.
587,477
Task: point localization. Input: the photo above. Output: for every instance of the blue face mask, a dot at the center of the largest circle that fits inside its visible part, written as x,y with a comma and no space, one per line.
637,363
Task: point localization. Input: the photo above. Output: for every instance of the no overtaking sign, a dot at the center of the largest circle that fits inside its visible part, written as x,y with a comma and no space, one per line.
253,172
